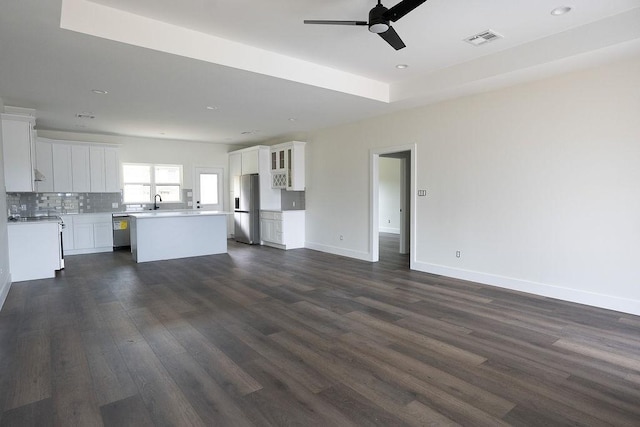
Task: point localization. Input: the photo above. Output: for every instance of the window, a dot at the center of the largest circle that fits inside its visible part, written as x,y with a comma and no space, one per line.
141,182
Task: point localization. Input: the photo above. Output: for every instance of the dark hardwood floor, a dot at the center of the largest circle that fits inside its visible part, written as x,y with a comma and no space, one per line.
260,336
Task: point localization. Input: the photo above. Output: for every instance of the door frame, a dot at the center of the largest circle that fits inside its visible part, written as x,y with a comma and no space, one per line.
374,202
222,198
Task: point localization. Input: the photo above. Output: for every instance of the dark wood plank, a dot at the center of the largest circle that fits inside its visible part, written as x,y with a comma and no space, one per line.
129,412
261,336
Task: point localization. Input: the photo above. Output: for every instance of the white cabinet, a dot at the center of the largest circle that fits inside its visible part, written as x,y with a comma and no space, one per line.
83,236
17,138
44,165
97,168
283,229
79,167
87,233
287,164
103,234
62,174
111,170
80,173
250,162
104,169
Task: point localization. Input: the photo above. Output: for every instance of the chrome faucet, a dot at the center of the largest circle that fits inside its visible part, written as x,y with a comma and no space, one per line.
155,201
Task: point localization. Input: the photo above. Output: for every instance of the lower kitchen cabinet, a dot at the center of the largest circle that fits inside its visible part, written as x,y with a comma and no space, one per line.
87,233
282,229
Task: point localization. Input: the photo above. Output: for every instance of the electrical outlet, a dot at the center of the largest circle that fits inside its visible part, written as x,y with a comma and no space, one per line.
114,205
341,237
457,254
422,192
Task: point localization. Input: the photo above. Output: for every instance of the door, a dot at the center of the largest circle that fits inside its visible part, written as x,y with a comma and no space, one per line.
209,188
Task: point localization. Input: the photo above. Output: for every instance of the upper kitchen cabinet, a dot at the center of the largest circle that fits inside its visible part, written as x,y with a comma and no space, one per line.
43,166
62,174
103,166
17,138
287,166
84,168
80,166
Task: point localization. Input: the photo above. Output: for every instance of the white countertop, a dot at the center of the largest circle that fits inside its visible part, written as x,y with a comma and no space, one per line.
167,214
39,220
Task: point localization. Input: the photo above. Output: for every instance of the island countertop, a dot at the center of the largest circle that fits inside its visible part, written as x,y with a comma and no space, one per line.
169,214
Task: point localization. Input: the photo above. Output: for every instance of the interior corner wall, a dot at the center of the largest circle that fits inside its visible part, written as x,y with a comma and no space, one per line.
537,185
389,195
5,277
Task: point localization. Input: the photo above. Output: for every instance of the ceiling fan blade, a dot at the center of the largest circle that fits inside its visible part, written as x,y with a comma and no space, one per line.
401,9
391,37
311,21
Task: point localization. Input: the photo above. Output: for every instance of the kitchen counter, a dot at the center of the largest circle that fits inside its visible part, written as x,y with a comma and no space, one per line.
179,234
34,219
176,213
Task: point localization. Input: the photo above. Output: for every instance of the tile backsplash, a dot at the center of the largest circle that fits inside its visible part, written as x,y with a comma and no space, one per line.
36,204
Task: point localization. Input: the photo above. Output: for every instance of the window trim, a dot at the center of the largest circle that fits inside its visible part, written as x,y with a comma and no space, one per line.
153,184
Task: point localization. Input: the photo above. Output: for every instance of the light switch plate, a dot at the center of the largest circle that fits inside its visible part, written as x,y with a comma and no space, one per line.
422,192
114,205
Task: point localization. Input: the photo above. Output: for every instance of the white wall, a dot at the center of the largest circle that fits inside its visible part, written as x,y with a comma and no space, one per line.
537,185
5,282
389,195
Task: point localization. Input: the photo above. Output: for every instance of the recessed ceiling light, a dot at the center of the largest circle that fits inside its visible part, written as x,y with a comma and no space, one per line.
560,10
292,119
99,91
211,107
402,66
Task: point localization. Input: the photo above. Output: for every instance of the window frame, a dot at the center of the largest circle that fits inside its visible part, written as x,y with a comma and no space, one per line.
153,184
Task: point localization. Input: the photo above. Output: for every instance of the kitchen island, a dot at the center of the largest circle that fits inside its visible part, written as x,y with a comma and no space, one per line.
159,236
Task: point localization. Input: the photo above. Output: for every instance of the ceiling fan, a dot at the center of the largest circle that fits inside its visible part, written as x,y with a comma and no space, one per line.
379,18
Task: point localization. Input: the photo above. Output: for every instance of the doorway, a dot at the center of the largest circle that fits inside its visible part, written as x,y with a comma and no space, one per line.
208,191
392,214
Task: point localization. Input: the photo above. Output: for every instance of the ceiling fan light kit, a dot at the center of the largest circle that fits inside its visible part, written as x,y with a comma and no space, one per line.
379,18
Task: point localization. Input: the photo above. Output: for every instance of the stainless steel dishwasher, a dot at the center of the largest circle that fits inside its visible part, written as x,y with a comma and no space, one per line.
121,236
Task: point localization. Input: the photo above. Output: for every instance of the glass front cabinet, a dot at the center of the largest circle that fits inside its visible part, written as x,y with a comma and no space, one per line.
287,166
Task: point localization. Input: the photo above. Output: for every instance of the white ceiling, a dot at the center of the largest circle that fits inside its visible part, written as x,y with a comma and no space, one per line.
163,61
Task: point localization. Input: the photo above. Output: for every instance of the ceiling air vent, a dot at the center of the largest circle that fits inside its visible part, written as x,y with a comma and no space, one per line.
483,38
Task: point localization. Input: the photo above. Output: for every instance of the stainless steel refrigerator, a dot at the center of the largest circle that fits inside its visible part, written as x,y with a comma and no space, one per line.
246,215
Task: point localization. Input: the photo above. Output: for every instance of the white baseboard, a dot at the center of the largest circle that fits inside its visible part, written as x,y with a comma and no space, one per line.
609,302
364,256
389,230
5,285
87,251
